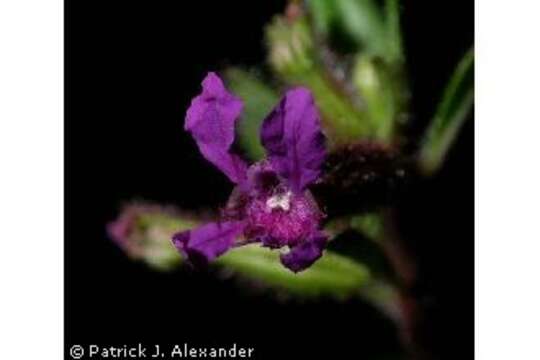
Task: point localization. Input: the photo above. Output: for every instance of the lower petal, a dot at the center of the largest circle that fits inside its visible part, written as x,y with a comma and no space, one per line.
205,243
305,254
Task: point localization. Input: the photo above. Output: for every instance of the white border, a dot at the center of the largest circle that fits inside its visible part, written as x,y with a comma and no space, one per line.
31,179
508,179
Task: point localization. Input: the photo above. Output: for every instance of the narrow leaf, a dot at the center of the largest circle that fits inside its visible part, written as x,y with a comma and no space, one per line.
453,109
394,51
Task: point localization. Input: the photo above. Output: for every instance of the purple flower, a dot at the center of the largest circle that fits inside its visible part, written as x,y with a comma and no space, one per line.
270,203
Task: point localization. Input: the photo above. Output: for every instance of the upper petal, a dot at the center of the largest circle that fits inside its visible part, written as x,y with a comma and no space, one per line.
205,243
305,254
211,121
293,138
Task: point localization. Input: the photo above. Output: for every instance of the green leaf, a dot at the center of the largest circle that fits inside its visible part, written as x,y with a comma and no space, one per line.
361,22
453,109
293,59
394,50
378,74
324,14
378,89
362,18
371,225
259,99
332,275
342,121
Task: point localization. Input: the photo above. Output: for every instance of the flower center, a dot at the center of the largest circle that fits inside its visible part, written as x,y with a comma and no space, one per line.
272,212
282,219
279,201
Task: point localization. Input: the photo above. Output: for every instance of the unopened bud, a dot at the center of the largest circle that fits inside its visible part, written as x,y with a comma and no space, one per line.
290,45
144,232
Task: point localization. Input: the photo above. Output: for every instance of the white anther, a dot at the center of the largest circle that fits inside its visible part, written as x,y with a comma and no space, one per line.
282,201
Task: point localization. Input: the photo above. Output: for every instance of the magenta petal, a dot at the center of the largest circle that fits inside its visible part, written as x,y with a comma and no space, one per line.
293,139
211,121
205,243
305,254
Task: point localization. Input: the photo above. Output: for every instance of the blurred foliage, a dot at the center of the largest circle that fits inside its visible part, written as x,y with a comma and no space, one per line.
360,97
452,111
359,21
259,99
373,31
394,52
372,79
291,52
332,275
371,225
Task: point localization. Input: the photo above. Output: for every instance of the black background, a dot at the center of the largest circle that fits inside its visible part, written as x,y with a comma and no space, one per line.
131,69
